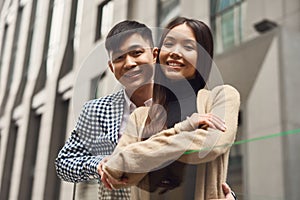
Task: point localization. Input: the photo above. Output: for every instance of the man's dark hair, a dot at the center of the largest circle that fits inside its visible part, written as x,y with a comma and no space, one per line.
121,31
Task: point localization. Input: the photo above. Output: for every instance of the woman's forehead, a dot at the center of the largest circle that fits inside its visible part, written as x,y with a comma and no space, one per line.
181,31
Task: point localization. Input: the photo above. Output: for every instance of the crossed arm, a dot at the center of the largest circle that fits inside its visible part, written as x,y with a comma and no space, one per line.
134,158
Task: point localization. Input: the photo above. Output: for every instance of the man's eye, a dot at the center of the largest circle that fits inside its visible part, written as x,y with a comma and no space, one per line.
119,58
136,53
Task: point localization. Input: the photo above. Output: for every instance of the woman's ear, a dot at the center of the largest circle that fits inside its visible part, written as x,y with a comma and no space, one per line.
155,54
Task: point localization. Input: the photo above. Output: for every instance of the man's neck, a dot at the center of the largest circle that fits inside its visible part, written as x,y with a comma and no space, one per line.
140,95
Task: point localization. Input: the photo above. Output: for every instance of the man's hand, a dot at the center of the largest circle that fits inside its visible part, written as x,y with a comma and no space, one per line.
227,191
107,180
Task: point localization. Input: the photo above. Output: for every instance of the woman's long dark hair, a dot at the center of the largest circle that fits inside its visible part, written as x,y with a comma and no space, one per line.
161,94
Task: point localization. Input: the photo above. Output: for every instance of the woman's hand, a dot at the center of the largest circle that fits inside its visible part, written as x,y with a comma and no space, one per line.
207,120
103,176
107,180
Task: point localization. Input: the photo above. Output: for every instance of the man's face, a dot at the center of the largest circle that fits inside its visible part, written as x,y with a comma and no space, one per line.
132,64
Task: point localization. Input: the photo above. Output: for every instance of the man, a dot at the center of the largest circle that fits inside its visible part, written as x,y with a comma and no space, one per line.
102,121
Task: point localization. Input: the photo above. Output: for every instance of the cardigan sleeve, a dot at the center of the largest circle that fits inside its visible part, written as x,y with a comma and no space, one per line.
136,159
116,167
223,101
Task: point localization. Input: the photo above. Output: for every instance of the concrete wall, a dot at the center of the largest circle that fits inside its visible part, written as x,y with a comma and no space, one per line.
290,98
264,159
264,68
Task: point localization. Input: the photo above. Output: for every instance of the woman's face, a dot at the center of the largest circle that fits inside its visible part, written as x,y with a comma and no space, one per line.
178,55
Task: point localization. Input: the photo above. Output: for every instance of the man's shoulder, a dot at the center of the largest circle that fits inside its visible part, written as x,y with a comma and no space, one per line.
104,103
108,99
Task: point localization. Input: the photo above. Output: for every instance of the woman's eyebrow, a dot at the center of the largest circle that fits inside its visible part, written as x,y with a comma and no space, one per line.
170,38
190,41
185,40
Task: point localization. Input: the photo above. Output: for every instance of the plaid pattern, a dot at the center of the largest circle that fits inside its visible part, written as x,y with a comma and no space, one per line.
94,137
121,194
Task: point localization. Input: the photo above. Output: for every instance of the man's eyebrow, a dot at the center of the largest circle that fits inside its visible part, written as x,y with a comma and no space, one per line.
136,46
130,48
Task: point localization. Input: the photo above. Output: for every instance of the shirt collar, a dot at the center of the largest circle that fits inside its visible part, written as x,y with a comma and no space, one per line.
148,103
129,104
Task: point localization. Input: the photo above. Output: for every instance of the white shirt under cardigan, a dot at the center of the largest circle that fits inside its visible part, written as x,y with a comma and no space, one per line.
129,107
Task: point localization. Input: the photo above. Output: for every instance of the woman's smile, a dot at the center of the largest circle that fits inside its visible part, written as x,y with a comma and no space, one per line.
174,64
178,55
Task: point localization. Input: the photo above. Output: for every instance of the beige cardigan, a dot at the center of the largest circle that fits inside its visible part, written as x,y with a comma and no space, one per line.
133,158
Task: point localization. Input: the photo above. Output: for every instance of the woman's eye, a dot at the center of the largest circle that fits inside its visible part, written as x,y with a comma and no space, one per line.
189,47
168,44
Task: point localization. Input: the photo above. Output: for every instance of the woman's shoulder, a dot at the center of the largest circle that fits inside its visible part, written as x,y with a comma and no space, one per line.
219,90
225,92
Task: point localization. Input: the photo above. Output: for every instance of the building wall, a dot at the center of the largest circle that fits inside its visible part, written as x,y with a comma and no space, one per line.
34,123
290,39
264,118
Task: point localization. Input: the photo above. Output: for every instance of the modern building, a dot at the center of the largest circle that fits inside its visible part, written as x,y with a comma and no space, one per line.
52,60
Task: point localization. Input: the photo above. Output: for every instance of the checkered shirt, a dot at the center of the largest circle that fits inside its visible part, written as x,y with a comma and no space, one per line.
95,136
105,194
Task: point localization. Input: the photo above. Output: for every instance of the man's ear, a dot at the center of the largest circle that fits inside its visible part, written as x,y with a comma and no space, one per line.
155,54
111,67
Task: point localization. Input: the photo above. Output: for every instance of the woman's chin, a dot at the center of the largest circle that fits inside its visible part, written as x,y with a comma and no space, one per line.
174,75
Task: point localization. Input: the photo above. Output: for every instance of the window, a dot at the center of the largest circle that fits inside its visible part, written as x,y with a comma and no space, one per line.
9,161
104,84
30,154
97,90
28,50
15,47
3,46
104,18
235,167
58,136
78,21
226,23
42,76
167,10
68,59
55,34
12,58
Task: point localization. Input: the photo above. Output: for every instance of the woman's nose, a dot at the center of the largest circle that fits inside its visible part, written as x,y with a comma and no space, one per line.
175,52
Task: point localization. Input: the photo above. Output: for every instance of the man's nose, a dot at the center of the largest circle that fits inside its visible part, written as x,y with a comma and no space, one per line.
129,62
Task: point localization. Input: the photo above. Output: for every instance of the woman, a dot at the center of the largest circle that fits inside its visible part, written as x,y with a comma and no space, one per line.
150,144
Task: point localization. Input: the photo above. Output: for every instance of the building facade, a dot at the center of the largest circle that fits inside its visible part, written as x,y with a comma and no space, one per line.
52,60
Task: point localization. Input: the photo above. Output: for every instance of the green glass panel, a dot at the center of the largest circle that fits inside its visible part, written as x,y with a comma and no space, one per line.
228,29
